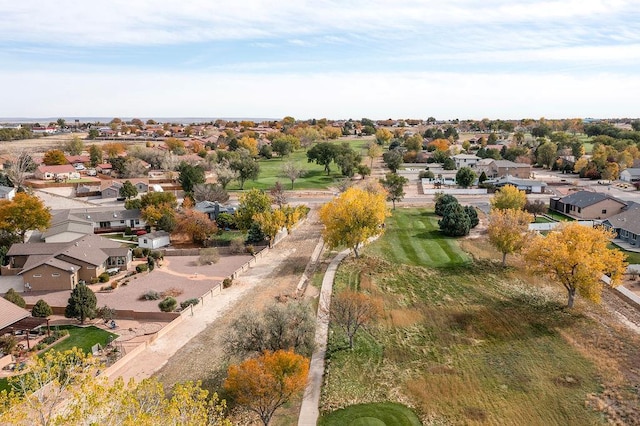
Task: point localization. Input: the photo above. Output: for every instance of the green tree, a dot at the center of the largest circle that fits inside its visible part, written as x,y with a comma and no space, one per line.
347,159
12,296
483,177
394,185
283,145
473,215
393,160
128,190
245,166
546,154
82,303
455,222
323,153
95,155
41,309
442,201
251,202
465,177
74,146
190,176
449,164
93,133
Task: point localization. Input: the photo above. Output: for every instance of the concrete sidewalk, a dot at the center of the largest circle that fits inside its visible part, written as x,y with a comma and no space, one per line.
309,411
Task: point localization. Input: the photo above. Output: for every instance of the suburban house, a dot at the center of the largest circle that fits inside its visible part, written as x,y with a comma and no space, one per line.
154,240
500,168
466,160
13,318
7,192
630,175
111,189
57,172
78,159
68,225
104,168
626,224
213,209
588,205
527,185
60,266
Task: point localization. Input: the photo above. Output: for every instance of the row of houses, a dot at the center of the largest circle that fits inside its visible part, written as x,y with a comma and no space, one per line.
491,167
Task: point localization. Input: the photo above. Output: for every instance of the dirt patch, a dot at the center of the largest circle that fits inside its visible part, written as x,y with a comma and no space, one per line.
405,317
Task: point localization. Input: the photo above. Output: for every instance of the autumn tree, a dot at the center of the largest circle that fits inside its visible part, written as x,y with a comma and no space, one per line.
250,144
54,157
353,217
175,146
373,151
25,212
278,195
577,257
352,311
383,136
113,149
509,197
128,190
394,185
508,231
270,222
82,303
195,224
438,145
266,383
249,204
155,214
292,171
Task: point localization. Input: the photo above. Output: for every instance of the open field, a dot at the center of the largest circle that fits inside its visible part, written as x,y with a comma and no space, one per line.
472,342
315,178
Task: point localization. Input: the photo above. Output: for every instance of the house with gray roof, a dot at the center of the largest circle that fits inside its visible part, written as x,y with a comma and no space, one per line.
60,266
626,225
630,175
526,185
588,205
7,192
213,208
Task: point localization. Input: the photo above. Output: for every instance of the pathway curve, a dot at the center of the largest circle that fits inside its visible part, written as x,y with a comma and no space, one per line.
309,411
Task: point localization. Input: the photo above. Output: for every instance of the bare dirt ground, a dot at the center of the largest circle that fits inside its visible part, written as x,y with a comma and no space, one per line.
203,357
40,145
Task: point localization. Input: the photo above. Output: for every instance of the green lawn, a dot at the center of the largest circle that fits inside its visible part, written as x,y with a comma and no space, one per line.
559,216
465,344
632,256
83,338
412,237
315,178
385,413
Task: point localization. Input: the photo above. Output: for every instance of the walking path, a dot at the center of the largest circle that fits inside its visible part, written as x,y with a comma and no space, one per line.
309,411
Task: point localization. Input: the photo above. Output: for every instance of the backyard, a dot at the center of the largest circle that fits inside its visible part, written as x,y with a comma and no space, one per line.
469,342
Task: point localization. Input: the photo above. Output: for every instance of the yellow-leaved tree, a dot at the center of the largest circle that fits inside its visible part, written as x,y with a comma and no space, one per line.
271,222
577,257
508,230
509,197
353,217
266,383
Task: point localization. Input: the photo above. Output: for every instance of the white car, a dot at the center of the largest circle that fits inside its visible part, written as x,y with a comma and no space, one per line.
78,166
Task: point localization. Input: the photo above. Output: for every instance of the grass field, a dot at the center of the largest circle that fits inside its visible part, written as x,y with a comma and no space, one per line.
315,177
465,342
412,237
385,413
83,338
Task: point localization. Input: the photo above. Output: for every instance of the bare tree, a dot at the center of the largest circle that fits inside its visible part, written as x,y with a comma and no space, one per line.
292,171
277,195
224,173
19,167
210,192
352,311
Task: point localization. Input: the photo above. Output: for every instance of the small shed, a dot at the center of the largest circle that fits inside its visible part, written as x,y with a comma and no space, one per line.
154,240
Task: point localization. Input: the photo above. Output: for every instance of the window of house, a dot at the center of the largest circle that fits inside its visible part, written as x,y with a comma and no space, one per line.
104,224
122,221
55,275
144,241
579,210
137,222
90,267
37,275
604,211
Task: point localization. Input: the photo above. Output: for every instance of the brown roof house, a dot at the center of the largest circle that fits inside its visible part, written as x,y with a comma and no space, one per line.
500,168
58,172
60,266
588,205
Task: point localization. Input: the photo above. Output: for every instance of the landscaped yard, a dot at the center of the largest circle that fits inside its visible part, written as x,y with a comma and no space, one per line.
84,338
469,342
385,413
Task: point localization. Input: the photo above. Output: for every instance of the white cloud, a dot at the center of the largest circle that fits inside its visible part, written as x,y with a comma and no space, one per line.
335,95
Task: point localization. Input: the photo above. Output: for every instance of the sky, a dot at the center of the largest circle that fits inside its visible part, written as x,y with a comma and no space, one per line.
379,59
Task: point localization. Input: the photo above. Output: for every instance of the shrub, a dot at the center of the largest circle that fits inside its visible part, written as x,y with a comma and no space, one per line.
13,297
156,255
93,280
143,267
426,174
106,288
225,221
168,305
251,250
227,282
208,256
8,343
236,246
255,234
103,277
41,309
137,252
114,285
150,295
106,313
127,231
189,302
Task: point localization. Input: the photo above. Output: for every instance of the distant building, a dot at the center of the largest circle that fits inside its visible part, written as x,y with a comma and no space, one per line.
154,240
630,175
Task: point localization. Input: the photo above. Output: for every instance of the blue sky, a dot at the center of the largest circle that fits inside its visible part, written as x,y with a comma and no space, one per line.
336,59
